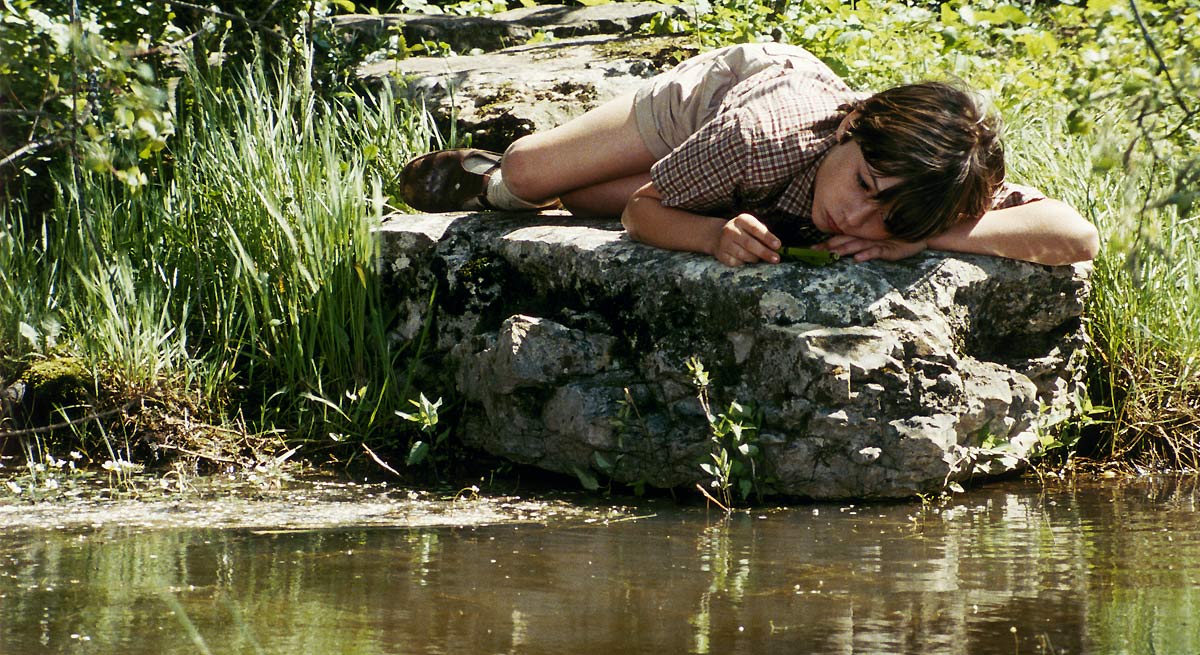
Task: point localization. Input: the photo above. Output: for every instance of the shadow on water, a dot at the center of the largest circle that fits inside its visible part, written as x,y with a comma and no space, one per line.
1011,568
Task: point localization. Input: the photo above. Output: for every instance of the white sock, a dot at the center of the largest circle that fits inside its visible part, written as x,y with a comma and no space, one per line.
500,197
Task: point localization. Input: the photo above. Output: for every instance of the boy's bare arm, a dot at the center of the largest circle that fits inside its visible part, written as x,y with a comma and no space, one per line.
1043,231
740,240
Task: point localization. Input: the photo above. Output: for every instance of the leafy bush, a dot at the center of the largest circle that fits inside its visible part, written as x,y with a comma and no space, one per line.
64,85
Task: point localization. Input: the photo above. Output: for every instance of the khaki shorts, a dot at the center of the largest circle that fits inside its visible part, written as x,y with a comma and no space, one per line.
674,105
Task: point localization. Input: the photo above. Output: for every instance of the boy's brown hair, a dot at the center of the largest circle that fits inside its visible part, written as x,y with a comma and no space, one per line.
943,146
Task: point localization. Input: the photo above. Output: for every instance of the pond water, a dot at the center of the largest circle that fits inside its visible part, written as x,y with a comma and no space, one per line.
1013,567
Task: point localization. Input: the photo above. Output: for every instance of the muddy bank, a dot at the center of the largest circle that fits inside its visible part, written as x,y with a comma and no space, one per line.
266,502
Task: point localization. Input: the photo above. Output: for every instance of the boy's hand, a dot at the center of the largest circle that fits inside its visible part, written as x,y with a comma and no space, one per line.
864,250
745,240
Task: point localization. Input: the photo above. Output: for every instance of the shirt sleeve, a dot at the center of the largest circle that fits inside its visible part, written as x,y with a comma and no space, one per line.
1013,195
705,172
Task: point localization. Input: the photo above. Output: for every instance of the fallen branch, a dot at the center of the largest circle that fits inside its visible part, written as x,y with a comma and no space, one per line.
380,461
714,500
66,424
27,149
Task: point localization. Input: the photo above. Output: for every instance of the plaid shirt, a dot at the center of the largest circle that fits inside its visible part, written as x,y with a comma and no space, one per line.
760,153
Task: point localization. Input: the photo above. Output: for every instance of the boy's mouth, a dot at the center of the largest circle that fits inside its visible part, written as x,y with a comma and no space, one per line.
831,226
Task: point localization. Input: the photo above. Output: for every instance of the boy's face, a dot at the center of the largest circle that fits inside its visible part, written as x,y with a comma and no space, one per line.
844,194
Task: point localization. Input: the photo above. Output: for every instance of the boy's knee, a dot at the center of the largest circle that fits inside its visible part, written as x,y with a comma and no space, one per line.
522,172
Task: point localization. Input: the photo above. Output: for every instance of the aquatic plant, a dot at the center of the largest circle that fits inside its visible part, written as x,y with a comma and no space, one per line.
426,418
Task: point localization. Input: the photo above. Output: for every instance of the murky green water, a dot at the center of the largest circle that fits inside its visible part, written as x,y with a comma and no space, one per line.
1105,567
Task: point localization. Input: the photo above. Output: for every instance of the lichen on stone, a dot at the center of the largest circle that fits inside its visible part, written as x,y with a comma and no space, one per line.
664,51
547,320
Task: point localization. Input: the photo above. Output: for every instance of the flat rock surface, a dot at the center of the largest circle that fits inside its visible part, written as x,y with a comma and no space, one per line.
516,27
495,97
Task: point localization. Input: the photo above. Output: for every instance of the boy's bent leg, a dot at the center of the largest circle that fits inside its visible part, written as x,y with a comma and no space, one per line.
598,147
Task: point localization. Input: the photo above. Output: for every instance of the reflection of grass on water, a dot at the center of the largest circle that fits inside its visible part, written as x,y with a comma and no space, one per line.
185,622
1144,619
728,575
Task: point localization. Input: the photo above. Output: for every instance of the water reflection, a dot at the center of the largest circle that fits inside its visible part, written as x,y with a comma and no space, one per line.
1015,568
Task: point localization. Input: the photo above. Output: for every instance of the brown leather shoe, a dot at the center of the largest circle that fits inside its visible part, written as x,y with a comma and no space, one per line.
448,180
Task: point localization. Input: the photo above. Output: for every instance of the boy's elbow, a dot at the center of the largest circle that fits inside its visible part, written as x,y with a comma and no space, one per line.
1084,238
1088,243
1077,240
629,219
629,224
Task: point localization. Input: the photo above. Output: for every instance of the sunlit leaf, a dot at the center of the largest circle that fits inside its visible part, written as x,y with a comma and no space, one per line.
586,479
417,454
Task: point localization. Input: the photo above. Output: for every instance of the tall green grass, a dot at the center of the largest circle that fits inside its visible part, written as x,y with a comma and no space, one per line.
1145,318
243,275
1143,314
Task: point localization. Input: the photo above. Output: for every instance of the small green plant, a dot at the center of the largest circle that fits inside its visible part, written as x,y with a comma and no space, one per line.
426,418
1055,449
734,439
627,423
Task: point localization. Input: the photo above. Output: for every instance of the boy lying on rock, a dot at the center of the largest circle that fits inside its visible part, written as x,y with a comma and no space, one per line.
743,149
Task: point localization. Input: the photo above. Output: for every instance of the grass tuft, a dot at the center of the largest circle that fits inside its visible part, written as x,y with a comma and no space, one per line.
242,274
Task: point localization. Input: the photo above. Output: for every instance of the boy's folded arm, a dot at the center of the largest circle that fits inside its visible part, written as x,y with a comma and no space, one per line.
1044,231
648,221
733,242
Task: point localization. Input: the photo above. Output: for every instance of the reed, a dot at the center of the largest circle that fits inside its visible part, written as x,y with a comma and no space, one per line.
1143,313
243,272
1145,320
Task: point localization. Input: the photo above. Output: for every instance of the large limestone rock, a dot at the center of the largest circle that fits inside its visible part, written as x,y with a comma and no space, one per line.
568,343
495,97
466,34
564,339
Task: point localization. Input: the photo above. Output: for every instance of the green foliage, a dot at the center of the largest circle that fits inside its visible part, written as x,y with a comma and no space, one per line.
426,419
63,84
629,425
733,435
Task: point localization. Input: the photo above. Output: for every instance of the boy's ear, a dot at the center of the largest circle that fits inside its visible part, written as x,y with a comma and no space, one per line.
843,128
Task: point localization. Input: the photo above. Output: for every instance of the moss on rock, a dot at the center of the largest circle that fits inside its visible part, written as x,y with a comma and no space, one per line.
664,52
55,382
